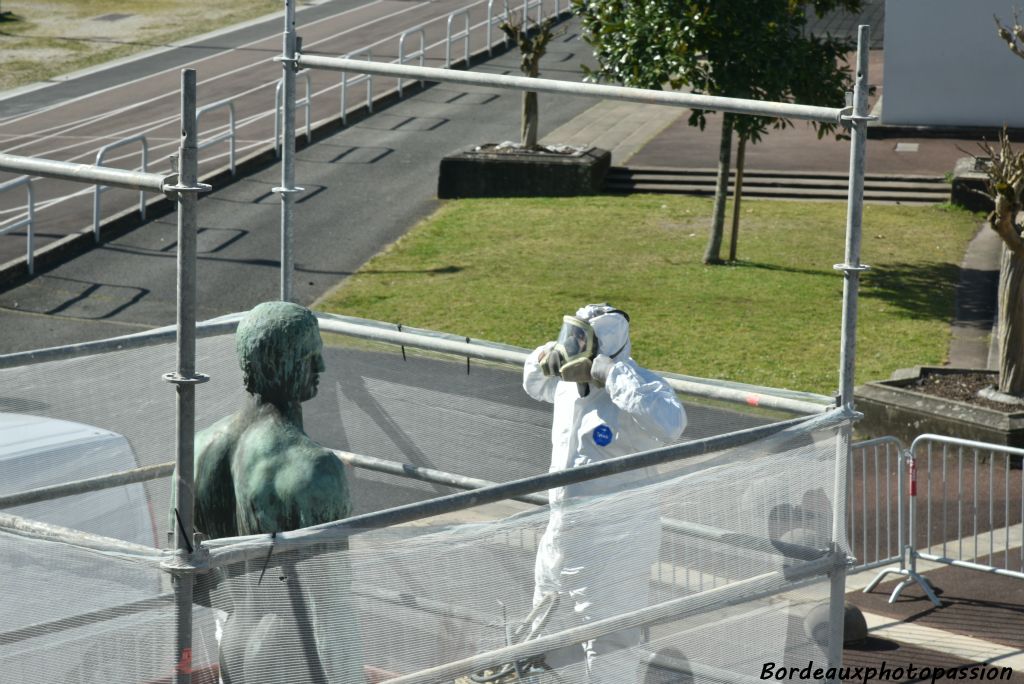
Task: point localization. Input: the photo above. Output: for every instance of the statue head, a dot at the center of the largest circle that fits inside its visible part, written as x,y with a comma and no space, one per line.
278,345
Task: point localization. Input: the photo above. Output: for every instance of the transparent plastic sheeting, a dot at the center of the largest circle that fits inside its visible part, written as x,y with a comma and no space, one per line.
379,400
393,602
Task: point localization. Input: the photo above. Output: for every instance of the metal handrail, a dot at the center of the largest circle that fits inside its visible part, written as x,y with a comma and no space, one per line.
491,21
101,188
418,53
306,102
228,135
29,219
346,81
449,38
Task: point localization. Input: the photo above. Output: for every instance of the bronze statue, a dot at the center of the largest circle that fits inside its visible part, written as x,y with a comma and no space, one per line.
257,472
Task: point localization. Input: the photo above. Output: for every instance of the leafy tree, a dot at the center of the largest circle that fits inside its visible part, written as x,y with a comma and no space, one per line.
532,43
754,49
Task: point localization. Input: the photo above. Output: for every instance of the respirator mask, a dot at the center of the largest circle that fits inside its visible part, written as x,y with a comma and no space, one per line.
576,347
574,351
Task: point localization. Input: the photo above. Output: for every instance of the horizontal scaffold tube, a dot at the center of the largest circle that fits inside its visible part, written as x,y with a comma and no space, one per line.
237,549
721,390
604,92
92,484
86,173
407,470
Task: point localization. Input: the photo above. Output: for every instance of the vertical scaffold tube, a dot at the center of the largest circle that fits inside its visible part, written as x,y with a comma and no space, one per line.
851,269
184,379
288,151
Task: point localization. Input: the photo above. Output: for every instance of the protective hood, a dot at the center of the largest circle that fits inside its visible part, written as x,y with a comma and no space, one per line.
611,329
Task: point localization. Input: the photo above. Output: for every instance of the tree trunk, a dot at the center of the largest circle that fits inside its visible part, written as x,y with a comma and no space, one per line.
529,119
737,195
1011,323
713,253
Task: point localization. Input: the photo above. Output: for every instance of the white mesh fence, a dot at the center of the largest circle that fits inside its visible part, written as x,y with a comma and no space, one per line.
711,566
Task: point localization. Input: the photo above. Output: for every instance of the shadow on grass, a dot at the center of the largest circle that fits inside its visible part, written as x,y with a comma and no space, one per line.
912,289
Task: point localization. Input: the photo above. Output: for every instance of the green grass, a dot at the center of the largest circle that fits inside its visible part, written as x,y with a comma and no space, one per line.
41,39
507,270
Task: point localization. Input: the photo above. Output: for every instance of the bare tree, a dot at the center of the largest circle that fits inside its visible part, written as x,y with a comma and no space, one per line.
532,42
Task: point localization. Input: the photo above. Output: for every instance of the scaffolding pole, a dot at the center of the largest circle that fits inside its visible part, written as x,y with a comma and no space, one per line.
287,188
857,119
185,378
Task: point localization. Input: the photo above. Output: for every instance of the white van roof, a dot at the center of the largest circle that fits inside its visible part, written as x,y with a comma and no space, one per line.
21,434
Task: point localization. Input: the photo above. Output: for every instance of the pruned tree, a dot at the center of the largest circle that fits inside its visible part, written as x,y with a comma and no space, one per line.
1005,186
532,42
754,49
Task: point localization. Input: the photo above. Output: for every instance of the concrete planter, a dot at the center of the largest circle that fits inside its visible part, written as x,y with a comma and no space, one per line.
891,408
969,179
484,173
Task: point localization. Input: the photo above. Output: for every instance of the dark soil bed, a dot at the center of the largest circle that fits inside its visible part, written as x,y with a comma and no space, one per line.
961,387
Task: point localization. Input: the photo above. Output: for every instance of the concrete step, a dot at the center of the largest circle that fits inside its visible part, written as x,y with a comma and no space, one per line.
779,184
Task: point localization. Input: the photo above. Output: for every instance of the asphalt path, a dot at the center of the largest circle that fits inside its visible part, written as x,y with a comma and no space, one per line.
72,121
365,186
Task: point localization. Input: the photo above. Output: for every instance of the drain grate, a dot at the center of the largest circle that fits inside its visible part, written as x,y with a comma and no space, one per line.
112,17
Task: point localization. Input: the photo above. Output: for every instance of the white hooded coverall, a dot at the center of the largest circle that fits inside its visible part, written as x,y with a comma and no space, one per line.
602,563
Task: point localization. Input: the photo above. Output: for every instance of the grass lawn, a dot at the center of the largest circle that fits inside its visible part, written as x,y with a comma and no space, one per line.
507,270
40,39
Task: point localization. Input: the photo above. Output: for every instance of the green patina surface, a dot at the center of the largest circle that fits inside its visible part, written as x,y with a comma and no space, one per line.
257,471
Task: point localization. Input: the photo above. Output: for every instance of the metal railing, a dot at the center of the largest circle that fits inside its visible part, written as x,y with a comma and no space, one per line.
961,522
492,20
305,102
28,221
463,35
228,135
875,523
402,57
346,81
99,189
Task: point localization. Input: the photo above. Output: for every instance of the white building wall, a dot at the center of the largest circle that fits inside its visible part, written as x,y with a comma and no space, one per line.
946,66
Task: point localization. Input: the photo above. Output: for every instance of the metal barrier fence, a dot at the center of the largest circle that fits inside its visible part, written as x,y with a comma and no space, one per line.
228,135
101,188
450,38
971,513
28,221
402,57
875,524
346,81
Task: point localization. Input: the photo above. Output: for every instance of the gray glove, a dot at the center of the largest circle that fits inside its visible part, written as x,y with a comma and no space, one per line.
600,368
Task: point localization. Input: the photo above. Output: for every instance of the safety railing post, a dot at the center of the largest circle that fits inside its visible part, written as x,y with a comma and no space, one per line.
402,57
28,222
98,189
463,35
229,135
367,54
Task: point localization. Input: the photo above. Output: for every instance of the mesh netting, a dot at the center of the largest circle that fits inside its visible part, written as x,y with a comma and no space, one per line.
686,564
712,566
379,400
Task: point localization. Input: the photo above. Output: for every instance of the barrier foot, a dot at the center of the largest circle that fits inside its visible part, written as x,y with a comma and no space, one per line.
878,578
912,577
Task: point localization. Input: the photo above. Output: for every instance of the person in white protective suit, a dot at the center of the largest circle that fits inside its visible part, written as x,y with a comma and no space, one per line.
605,406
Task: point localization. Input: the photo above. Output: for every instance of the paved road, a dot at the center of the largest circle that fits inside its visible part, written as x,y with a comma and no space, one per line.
365,186
71,121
